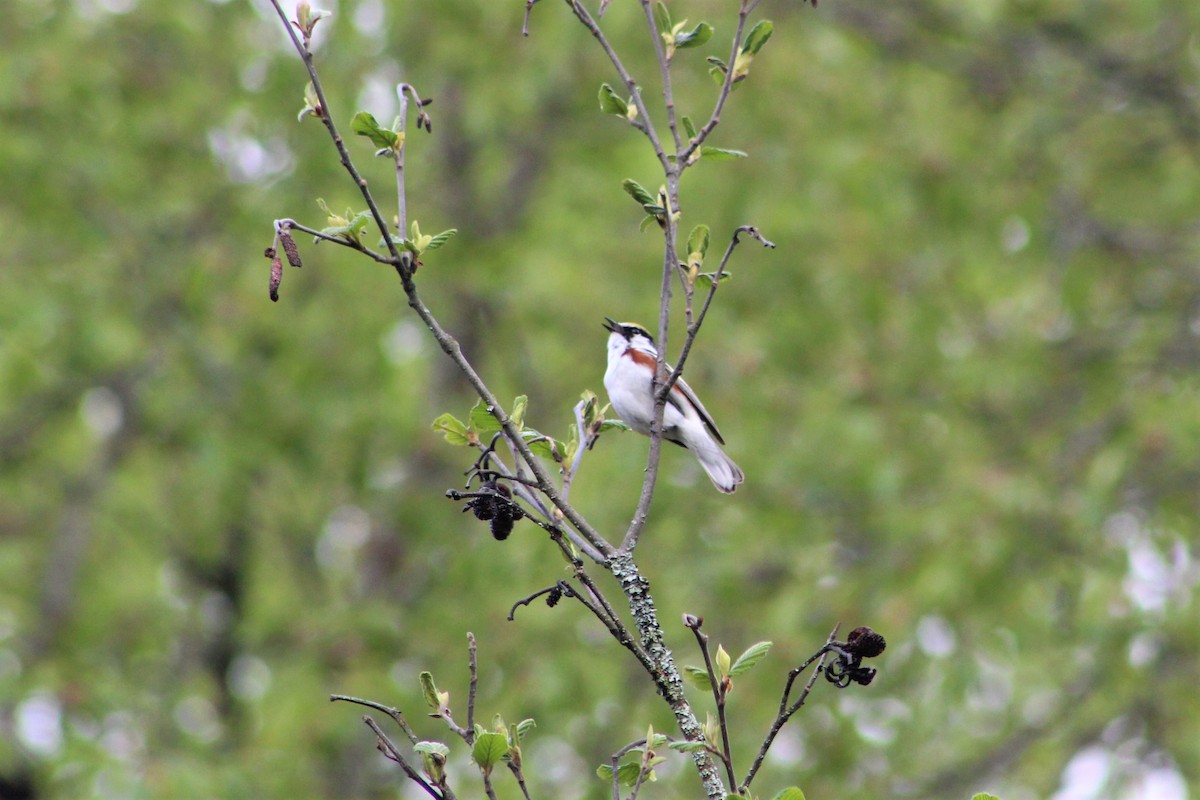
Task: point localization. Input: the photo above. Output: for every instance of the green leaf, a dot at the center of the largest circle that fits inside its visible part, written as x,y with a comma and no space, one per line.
706,278
440,239
662,17
572,445
723,661
591,405
984,796
365,124
627,773
543,445
524,727
482,420
687,747
429,691
613,425
489,749
790,793
453,429
695,37
746,661
698,241
697,677
688,126
721,154
311,102
359,223
610,103
638,192
517,415
433,748
417,242
758,36
348,227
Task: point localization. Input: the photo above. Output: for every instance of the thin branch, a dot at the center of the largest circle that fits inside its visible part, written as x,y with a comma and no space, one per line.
473,666
643,123
642,511
684,159
353,245
694,328
663,670
403,266
615,761
396,714
400,263
529,4
664,66
401,194
622,634
516,771
719,696
581,434
389,750
562,588
487,784
786,711
600,609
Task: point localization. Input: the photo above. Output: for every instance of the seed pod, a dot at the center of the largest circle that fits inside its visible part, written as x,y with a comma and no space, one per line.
289,247
276,277
865,643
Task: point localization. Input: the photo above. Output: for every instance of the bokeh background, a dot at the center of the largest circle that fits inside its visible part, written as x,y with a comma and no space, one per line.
964,391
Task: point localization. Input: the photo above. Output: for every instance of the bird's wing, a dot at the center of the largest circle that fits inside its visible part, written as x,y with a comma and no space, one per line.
682,388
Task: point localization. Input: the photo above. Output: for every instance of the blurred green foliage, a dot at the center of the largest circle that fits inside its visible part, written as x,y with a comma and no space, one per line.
963,389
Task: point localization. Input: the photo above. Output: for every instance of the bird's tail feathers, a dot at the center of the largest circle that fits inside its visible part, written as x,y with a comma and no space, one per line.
721,469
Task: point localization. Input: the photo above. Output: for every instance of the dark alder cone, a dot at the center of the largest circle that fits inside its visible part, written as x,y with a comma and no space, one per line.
554,596
484,507
494,503
863,675
865,643
502,523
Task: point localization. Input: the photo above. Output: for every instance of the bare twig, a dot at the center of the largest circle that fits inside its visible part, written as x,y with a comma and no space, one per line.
664,67
643,122
353,245
685,157
785,710
403,92
529,4
520,776
581,433
396,714
402,263
487,784
694,328
326,116
473,666
385,745
560,589
719,692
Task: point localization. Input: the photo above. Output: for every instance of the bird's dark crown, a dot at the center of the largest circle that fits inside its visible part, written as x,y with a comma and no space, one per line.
626,329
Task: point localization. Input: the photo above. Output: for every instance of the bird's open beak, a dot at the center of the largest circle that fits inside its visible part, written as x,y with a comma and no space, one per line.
610,325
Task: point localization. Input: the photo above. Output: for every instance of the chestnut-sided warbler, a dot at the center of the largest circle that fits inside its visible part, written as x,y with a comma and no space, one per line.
631,364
